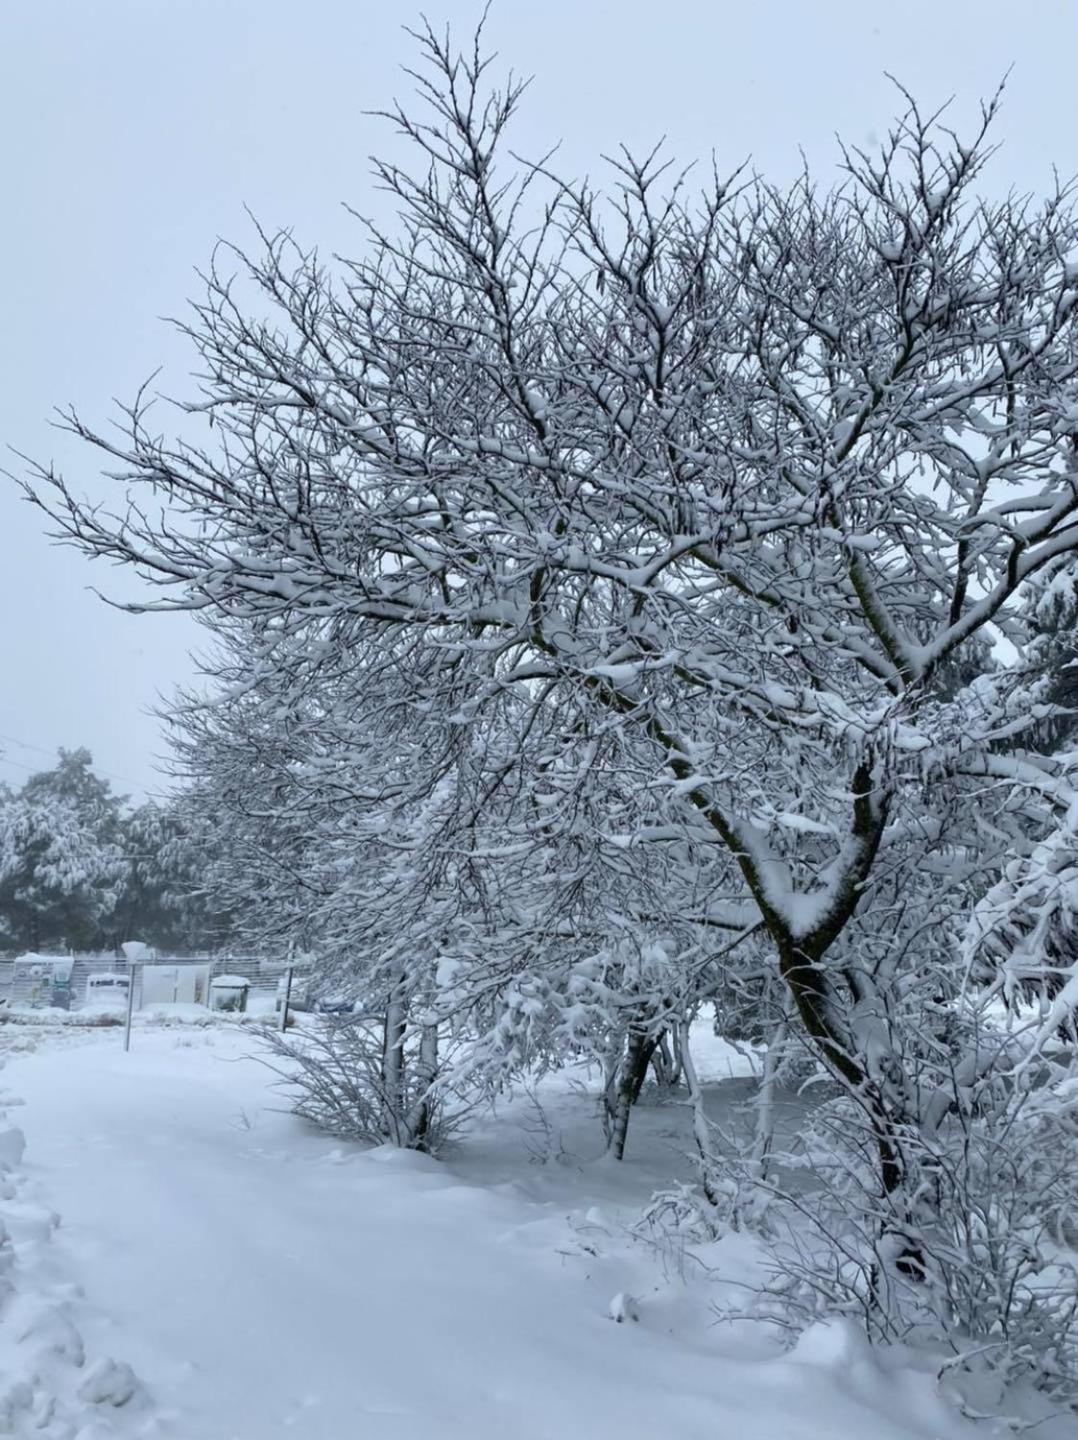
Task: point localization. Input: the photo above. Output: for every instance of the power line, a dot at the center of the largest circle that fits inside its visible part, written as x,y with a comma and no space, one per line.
7,760
44,750
26,745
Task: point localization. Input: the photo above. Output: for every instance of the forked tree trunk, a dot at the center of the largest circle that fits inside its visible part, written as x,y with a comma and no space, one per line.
810,990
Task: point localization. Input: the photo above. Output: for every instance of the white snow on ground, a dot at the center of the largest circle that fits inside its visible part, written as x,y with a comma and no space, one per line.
264,1282
52,1385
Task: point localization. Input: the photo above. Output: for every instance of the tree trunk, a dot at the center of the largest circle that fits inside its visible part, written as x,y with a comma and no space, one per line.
666,1061
632,1074
677,1064
764,1138
700,1132
418,1126
395,1027
811,992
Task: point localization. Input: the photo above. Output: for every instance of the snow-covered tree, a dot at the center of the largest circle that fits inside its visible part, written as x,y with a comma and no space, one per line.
62,866
81,869
165,898
733,484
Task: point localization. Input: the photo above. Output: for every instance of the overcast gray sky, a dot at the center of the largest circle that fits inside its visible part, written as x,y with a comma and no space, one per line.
135,131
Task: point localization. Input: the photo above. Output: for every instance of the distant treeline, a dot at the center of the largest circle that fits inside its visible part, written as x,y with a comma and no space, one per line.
82,869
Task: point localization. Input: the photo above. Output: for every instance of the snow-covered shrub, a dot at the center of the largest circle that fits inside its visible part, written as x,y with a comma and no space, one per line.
977,1250
682,1211
335,1073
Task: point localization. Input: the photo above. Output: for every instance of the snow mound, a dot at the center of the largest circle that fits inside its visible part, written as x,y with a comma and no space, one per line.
832,1344
109,1382
12,1145
394,1158
47,1388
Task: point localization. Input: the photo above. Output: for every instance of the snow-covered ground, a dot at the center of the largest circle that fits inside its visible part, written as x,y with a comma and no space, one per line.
263,1281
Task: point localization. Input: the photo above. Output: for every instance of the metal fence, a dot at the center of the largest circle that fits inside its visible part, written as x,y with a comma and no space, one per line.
41,981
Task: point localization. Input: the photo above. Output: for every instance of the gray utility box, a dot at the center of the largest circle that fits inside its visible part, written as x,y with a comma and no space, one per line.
229,992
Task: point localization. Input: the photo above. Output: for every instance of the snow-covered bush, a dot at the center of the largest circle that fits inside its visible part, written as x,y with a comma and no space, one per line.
985,1263
351,1078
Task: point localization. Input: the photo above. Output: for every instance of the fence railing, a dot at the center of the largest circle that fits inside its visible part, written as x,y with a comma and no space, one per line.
64,981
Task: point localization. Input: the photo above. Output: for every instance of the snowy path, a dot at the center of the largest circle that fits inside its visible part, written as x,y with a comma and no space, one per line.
264,1283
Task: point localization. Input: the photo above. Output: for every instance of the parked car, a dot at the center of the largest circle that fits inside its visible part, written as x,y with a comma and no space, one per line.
108,991
334,1004
298,997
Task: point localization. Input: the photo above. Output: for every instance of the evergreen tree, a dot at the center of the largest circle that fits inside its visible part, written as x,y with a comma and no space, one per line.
62,867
